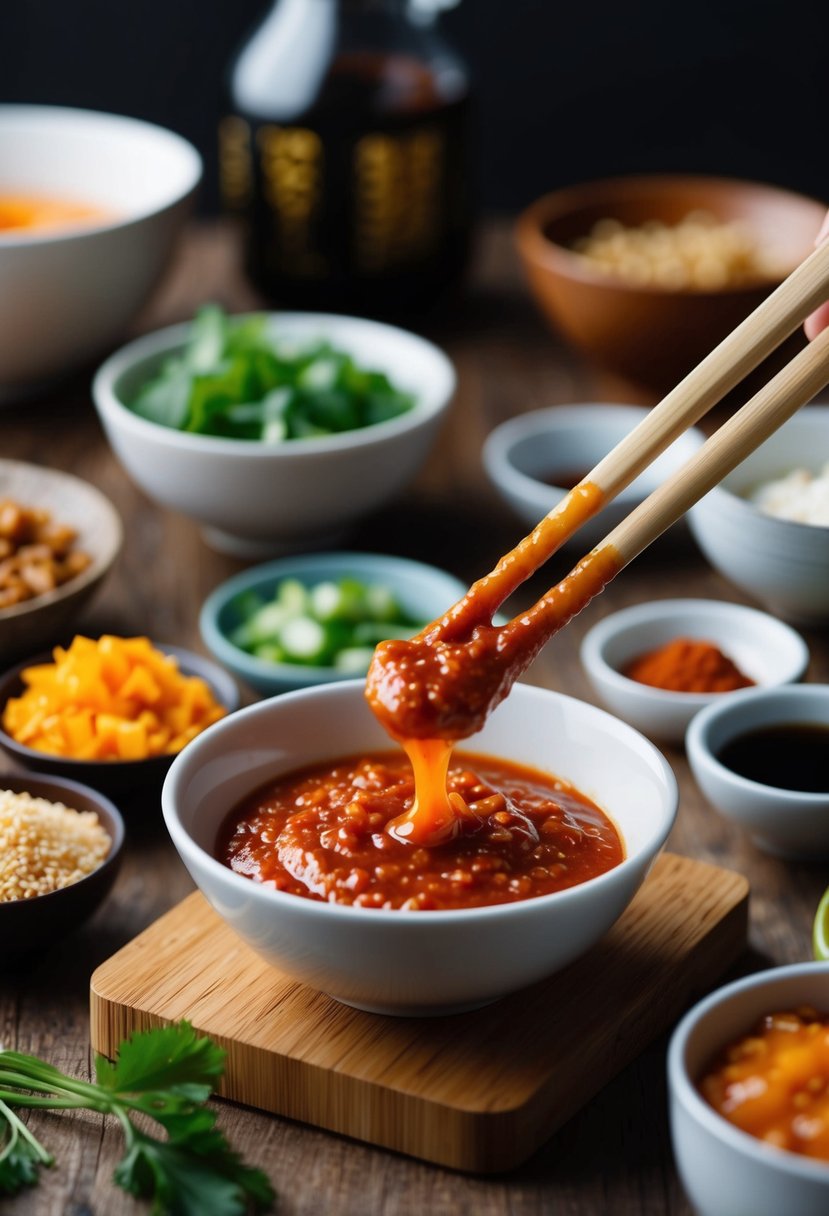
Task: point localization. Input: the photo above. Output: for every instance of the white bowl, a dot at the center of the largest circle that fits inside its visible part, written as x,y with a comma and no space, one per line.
520,453
42,621
784,565
765,650
786,823
422,962
67,294
255,498
725,1171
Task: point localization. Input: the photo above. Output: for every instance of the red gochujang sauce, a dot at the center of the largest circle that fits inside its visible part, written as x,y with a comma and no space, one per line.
322,833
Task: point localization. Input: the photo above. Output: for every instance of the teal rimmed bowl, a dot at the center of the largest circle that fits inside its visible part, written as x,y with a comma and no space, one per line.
424,592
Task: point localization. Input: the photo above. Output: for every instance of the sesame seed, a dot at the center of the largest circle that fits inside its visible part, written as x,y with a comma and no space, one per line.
45,846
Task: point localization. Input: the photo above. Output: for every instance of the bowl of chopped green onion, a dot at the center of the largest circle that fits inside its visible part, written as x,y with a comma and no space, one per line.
275,431
300,621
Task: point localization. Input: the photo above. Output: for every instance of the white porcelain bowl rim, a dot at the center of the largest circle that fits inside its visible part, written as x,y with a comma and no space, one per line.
499,445
697,739
686,1093
185,844
169,340
66,115
596,639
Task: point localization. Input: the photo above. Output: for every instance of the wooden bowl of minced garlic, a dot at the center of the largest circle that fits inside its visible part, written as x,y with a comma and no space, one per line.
60,850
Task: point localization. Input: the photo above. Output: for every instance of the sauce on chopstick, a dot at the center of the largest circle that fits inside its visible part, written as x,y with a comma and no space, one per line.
442,685
441,831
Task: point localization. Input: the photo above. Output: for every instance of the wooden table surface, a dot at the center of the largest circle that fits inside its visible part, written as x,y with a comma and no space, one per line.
615,1156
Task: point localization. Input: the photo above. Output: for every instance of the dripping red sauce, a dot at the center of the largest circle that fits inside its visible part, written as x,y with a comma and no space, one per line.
320,833
439,832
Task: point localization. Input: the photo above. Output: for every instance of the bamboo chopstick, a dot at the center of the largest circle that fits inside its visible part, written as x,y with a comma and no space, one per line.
745,347
782,396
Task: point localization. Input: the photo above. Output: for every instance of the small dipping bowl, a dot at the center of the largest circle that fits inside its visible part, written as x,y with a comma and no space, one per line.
725,1171
786,823
781,563
415,963
125,777
764,649
523,457
423,592
31,924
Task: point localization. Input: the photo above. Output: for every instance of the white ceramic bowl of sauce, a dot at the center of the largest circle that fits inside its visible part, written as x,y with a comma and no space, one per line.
412,963
785,821
68,290
725,1171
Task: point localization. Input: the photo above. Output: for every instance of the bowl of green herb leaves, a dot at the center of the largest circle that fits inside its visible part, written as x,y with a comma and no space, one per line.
276,431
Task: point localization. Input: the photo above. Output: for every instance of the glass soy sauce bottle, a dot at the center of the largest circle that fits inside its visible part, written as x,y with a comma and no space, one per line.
345,154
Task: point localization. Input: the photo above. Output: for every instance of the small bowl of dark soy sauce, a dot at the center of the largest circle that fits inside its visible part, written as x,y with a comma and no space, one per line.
761,758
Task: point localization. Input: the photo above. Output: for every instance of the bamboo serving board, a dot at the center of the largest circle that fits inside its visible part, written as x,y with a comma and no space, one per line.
477,1091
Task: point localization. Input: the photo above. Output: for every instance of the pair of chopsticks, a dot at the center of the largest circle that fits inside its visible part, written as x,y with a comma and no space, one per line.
762,332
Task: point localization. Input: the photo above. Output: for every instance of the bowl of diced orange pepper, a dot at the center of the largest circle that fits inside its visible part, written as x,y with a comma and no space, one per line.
112,711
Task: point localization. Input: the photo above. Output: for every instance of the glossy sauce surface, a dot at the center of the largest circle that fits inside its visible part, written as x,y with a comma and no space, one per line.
443,684
790,756
321,833
774,1082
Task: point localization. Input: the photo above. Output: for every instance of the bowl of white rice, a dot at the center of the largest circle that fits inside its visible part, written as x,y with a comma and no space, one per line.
765,528
60,850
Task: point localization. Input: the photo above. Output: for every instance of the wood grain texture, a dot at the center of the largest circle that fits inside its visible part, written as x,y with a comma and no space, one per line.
614,1156
480,1091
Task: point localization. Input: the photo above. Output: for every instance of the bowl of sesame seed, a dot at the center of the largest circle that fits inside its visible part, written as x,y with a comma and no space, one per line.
60,850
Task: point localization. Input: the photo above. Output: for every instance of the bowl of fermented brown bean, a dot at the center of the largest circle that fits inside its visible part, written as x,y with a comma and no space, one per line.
58,538
645,275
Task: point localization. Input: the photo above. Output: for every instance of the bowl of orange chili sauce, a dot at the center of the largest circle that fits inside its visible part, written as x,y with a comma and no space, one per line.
291,816
748,1074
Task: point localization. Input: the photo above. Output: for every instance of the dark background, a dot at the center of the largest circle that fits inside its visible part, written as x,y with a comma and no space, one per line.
566,92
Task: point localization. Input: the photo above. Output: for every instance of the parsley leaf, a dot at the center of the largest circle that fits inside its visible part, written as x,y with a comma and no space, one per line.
20,1154
201,1178
167,1074
171,1057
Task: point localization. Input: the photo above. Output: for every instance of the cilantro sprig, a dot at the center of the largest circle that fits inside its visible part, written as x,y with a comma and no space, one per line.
167,1074
233,380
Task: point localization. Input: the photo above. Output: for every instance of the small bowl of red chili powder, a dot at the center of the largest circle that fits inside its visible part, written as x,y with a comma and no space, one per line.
656,665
